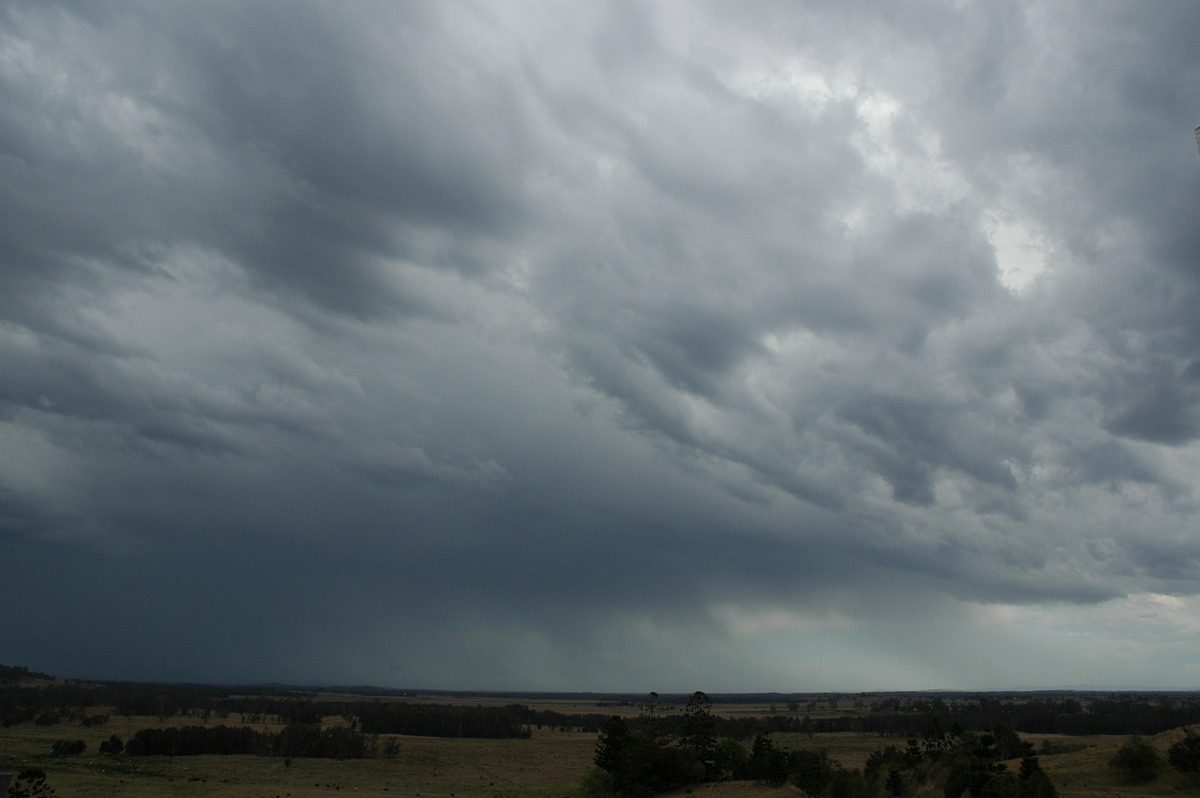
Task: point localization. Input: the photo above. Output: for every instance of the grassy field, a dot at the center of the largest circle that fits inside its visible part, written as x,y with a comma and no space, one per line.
551,763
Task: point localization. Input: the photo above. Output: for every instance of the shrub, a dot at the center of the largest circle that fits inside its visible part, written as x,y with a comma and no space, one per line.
1136,760
1185,754
68,747
30,783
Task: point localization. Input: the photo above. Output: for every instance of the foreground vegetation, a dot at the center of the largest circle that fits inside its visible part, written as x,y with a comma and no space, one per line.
161,740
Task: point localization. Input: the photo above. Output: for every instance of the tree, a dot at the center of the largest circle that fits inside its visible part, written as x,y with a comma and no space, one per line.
811,771
612,748
698,725
730,760
112,746
1001,785
767,763
935,738
847,784
894,785
1037,785
30,783
1136,760
68,747
598,783
1184,755
649,720
1008,743
912,753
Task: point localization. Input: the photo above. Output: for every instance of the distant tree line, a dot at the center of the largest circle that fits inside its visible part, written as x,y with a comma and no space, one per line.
894,715
438,720
1113,714
17,673
299,740
637,759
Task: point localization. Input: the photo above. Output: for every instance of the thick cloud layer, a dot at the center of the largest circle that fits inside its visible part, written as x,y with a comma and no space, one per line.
601,346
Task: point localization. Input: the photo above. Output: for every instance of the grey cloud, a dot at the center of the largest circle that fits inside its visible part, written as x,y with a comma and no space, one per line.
604,333
1164,414
254,132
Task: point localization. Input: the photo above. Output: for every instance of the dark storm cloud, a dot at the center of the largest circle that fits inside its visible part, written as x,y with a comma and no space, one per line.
576,342
256,132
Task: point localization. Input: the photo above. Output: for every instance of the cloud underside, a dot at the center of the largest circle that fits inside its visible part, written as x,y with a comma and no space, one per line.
574,343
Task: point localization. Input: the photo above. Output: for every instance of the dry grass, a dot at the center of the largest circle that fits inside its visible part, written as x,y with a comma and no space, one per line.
1083,774
550,764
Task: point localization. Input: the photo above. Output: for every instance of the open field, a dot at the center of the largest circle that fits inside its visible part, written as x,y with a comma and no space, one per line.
551,763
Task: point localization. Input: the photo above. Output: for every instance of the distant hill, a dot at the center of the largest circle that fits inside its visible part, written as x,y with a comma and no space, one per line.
16,674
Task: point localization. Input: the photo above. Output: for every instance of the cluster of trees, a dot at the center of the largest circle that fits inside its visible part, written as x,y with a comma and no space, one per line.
899,716
19,673
297,740
70,704
434,720
1138,761
30,783
1184,755
641,759
636,759
68,747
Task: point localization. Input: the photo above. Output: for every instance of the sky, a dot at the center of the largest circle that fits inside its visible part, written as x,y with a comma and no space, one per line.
612,346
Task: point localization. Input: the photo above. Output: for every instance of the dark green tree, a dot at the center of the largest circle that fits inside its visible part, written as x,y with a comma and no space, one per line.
894,785
649,719
912,753
598,783
848,784
30,783
811,771
881,760
730,760
1037,785
935,738
767,763
68,747
698,726
112,746
1136,760
612,749
1001,785
1184,755
967,773
1008,743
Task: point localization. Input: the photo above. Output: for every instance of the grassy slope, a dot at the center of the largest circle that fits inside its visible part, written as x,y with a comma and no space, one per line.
1086,774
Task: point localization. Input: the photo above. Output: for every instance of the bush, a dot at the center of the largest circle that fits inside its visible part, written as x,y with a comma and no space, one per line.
30,783
68,747
1001,785
112,746
1136,760
1184,755
598,783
